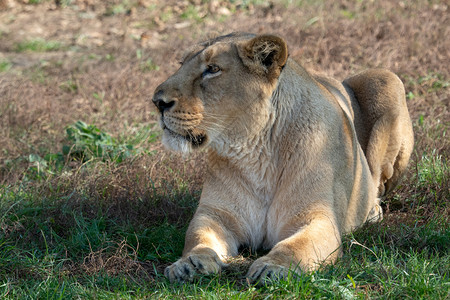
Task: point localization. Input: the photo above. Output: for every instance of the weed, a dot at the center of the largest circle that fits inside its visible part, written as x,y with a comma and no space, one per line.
99,96
123,7
148,66
5,65
247,3
167,14
139,54
433,169
192,13
347,14
35,1
69,86
93,56
86,143
434,82
109,57
38,45
37,74
39,167
302,3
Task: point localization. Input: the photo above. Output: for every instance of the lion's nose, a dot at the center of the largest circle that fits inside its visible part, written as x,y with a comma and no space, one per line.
161,103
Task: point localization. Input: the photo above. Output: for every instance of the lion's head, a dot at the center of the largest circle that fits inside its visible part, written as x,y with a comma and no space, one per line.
221,91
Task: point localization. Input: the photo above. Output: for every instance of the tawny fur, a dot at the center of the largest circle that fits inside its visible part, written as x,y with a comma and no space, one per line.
294,160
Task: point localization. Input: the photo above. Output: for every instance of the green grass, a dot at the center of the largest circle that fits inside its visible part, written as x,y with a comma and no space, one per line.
374,266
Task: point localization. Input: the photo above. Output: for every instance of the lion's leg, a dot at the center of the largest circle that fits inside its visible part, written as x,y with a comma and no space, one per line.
208,242
312,244
380,154
400,164
381,97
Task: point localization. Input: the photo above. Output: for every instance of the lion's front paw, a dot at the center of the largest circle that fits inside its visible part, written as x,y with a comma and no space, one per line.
205,262
264,270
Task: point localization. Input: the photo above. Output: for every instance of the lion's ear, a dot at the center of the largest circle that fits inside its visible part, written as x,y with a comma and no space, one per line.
266,53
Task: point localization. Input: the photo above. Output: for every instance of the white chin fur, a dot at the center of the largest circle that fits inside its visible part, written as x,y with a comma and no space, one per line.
176,143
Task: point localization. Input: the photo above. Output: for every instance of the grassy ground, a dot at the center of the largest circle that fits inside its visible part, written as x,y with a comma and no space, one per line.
91,206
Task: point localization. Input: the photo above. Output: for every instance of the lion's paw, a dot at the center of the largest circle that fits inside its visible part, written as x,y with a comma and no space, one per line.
186,267
264,270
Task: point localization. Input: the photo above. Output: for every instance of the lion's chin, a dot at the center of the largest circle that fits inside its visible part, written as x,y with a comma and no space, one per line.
183,143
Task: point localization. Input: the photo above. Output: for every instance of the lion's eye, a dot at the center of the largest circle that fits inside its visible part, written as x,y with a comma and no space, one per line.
211,71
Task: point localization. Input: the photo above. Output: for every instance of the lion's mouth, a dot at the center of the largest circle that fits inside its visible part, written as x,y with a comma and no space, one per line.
195,139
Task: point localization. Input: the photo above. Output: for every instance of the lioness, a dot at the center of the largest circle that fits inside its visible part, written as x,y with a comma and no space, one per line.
294,160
